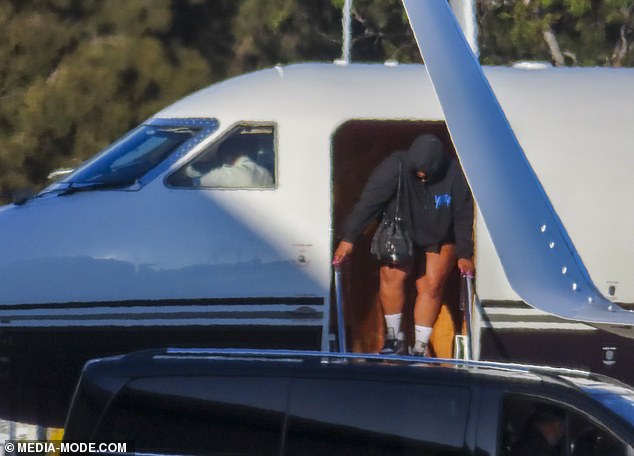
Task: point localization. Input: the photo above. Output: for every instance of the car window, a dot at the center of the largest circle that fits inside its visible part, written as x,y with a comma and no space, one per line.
532,426
368,418
243,159
198,415
617,397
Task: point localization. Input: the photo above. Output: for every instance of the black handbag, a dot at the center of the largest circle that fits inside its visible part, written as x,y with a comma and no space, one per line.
391,244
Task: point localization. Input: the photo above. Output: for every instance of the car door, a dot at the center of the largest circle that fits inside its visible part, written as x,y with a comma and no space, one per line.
517,422
358,416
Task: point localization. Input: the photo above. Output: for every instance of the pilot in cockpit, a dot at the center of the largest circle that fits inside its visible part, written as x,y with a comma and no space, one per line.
235,167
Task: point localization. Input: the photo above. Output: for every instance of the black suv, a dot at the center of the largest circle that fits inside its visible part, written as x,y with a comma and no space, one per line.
239,402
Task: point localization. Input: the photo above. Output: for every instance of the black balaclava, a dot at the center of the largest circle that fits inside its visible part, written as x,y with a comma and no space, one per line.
427,154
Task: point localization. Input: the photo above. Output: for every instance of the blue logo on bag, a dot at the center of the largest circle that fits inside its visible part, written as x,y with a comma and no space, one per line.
443,200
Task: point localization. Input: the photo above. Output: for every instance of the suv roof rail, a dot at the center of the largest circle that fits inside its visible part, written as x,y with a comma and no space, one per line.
200,353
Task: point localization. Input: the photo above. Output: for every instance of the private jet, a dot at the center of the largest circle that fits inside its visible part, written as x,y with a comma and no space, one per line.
140,247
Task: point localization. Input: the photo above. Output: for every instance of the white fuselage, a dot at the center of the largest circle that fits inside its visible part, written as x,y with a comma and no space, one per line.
160,243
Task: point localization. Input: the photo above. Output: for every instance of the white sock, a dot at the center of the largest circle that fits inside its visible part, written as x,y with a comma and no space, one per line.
393,324
422,333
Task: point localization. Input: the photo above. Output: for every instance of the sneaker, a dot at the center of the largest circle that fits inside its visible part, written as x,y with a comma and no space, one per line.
419,349
394,347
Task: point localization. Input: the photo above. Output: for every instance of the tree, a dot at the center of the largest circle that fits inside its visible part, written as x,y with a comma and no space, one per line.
280,31
565,32
76,74
619,16
381,31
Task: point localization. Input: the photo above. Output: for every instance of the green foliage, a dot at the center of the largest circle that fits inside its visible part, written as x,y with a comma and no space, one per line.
76,74
587,32
280,31
383,32
578,8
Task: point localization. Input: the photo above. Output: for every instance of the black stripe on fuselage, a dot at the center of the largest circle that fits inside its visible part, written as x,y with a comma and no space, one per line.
286,300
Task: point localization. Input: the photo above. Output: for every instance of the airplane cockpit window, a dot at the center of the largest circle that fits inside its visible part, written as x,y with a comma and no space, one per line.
130,159
139,156
534,426
243,159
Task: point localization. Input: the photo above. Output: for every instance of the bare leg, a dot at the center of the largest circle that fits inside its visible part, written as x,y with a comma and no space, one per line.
429,287
392,288
392,296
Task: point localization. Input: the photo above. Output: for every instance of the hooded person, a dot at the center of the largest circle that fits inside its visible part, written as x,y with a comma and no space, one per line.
437,211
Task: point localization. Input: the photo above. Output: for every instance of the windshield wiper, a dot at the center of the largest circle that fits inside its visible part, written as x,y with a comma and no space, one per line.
88,187
191,131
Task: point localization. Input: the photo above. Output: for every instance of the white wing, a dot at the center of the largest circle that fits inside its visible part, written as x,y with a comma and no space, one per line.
539,259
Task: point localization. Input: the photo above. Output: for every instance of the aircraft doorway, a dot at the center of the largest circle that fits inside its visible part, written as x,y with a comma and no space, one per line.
358,146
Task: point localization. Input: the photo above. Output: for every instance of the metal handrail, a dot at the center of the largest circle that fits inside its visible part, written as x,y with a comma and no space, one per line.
341,329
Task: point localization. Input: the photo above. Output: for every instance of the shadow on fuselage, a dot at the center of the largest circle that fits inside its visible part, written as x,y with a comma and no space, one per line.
102,273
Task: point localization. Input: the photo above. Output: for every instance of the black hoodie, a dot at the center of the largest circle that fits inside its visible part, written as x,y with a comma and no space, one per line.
436,211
